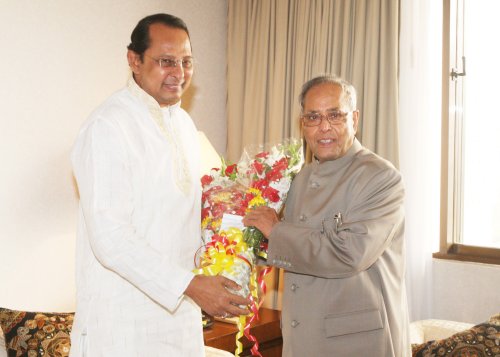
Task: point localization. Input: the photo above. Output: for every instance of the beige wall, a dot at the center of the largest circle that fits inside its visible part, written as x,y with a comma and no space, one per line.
467,292
59,60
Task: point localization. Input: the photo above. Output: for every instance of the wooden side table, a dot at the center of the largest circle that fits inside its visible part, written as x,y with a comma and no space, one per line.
267,331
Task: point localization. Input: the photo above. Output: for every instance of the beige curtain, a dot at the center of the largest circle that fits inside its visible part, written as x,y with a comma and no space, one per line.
274,46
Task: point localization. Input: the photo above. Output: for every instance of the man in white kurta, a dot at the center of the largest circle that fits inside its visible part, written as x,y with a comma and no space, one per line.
136,162
138,230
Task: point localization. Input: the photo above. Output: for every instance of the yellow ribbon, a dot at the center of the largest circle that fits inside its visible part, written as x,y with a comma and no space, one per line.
220,256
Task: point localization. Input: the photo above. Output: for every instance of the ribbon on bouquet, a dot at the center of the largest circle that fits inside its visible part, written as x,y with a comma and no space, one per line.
244,325
254,308
219,256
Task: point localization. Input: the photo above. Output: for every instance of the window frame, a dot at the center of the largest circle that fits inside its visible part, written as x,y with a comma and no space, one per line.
451,134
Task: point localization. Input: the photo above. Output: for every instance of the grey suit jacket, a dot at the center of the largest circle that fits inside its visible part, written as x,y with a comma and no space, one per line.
341,245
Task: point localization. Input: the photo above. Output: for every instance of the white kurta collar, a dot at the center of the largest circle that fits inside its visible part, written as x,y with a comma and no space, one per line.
183,178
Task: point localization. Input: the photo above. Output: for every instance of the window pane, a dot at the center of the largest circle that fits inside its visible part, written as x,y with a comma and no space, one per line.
481,167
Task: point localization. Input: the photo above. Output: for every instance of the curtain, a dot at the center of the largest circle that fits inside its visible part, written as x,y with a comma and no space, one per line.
420,124
274,46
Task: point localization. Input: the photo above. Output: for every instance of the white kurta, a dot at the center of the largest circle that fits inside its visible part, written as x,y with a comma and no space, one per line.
139,230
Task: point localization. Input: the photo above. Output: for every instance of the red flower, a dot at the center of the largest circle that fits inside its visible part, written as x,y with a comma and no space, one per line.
276,172
271,194
262,154
241,210
248,197
281,164
205,180
205,212
231,169
260,184
258,166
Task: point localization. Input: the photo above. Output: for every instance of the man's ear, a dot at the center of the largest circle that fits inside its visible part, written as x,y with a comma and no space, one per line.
134,61
355,120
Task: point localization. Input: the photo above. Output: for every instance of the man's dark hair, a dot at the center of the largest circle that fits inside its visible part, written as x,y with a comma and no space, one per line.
140,35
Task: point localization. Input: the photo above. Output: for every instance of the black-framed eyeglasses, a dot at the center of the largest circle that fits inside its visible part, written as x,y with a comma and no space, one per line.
186,63
334,117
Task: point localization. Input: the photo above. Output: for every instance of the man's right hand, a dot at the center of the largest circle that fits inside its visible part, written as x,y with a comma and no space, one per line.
212,296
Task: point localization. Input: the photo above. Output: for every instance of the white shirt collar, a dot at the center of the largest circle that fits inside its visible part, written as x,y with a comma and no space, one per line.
182,175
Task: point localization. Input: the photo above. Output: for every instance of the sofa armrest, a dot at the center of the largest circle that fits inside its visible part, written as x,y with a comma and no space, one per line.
426,330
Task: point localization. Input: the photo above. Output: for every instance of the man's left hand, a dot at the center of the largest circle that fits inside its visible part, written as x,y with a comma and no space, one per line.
263,218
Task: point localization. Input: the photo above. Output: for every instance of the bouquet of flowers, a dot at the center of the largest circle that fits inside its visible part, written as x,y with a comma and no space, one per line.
262,177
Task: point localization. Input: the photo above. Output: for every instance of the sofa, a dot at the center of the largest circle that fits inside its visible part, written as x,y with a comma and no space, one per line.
429,330
432,337
33,334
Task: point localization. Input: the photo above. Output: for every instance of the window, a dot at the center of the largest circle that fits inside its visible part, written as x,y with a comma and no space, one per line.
470,198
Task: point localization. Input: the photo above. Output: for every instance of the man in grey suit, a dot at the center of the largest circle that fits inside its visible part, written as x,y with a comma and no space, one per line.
341,242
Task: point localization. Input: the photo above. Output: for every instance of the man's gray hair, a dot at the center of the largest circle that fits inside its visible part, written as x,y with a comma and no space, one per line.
347,98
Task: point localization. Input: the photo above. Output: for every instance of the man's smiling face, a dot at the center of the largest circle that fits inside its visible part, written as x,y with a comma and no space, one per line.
166,85
329,141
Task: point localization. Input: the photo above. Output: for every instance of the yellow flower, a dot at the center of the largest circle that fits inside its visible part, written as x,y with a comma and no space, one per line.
216,224
255,191
205,222
257,201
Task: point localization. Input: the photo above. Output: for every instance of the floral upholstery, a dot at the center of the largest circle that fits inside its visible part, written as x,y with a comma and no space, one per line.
37,334
34,334
479,341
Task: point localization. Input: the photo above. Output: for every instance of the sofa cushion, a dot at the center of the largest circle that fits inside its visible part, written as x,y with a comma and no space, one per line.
3,350
478,341
435,329
35,334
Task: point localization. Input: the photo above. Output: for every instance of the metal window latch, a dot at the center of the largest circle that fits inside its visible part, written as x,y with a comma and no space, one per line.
454,72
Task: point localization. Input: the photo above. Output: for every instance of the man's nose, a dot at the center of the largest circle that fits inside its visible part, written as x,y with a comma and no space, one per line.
325,125
177,71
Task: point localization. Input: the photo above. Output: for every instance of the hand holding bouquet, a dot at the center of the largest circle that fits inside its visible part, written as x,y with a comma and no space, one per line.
262,177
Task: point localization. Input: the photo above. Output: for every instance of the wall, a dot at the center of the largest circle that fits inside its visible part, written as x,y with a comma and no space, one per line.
467,292
59,60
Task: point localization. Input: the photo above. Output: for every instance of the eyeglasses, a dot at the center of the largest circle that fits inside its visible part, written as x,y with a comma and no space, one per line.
314,119
186,63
